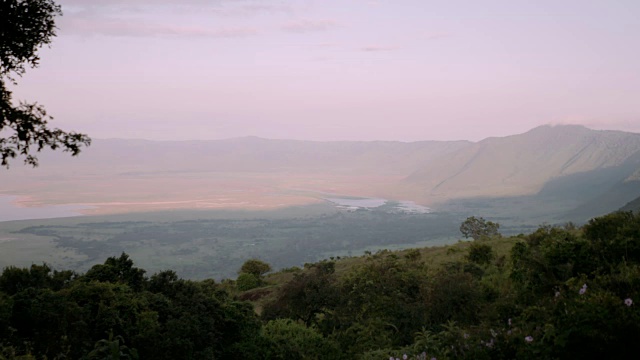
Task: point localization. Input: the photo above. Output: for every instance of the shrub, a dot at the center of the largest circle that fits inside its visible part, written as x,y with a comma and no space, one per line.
480,253
247,281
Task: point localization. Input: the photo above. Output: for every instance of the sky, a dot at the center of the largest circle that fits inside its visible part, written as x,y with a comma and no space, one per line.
403,70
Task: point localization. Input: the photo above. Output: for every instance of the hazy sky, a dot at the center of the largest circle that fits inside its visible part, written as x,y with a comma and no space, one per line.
339,69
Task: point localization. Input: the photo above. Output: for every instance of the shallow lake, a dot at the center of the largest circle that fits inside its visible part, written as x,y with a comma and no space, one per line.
352,204
355,203
11,210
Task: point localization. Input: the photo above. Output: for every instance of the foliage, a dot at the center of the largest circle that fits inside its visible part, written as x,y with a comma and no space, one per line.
13,279
568,293
251,273
306,297
217,248
478,228
563,293
292,340
255,267
112,349
247,281
481,254
117,270
27,26
113,311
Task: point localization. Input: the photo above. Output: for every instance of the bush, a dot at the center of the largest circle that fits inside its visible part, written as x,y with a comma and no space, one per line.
292,340
480,253
255,267
247,281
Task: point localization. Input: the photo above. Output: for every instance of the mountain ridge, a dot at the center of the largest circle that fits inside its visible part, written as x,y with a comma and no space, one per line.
521,164
568,164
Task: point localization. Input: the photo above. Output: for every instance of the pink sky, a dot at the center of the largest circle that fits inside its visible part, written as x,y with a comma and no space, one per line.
339,69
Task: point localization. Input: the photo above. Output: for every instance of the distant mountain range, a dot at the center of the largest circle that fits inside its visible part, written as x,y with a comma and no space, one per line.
588,171
253,154
633,205
524,164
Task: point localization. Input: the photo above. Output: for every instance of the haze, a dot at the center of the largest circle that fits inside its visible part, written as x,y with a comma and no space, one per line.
338,70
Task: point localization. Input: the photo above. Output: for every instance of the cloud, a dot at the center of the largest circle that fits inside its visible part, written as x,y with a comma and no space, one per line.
219,7
117,27
328,45
264,8
155,18
166,18
435,36
84,3
306,25
375,48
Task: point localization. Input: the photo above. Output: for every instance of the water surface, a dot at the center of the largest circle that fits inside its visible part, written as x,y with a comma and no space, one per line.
10,210
353,204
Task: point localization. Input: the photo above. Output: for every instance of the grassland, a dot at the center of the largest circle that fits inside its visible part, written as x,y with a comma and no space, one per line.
213,244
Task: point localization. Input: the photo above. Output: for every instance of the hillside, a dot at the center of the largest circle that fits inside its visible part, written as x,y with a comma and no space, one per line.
558,293
523,164
251,154
633,205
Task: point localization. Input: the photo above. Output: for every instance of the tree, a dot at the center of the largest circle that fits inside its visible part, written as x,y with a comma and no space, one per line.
306,295
478,228
480,253
293,340
118,270
26,27
112,349
255,267
247,281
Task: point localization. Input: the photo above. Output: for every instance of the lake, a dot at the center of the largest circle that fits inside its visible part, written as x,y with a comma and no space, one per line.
353,204
10,210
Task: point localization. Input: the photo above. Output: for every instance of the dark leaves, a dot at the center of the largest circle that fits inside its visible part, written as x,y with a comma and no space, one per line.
25,26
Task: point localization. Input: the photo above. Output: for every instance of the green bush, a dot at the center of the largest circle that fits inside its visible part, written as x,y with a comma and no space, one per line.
292,340
481,254
247,281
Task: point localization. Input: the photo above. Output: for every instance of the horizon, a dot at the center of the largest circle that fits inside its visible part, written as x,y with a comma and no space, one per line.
373,140
361,70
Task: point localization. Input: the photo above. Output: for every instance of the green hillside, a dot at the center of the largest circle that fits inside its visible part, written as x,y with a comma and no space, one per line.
557,293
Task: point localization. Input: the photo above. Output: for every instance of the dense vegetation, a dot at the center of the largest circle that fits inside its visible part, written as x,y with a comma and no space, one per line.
557,293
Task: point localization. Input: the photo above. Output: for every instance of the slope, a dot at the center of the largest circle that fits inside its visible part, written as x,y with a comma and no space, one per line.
522,164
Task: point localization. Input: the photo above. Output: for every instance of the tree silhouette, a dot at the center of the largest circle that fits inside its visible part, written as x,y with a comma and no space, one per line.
255,267
477,228
24,128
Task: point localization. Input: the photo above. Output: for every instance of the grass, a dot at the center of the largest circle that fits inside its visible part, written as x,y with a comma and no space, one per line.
214,244
433,256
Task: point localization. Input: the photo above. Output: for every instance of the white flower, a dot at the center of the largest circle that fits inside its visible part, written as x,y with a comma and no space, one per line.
528,339
628,301
583,289
489,344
